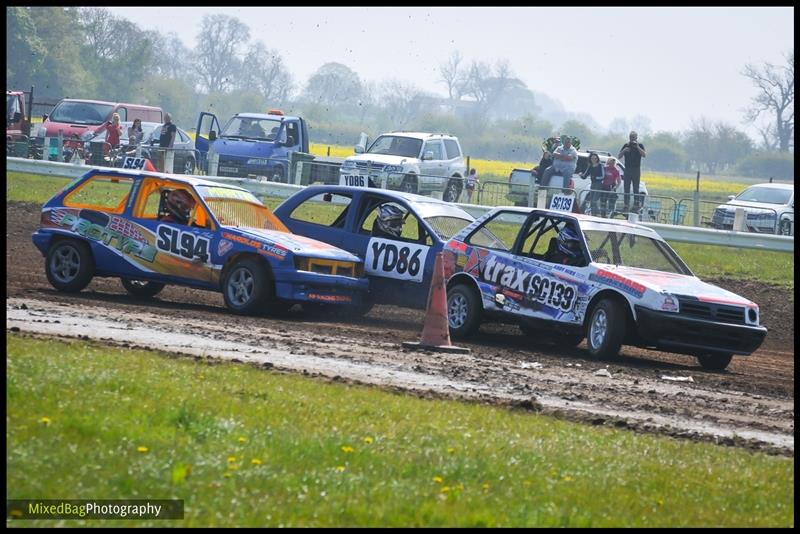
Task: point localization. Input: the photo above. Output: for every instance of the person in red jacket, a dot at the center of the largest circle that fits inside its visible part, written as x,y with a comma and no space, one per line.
114,131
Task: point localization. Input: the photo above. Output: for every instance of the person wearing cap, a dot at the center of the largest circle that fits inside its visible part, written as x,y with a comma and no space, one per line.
565,159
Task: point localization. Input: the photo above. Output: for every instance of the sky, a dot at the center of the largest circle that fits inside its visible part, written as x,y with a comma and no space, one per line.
672,65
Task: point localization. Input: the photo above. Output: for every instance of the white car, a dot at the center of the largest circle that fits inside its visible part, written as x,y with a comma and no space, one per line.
519,181
769,209
573,276
413,162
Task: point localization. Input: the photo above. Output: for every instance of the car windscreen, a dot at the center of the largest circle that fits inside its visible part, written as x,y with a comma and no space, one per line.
234,207
81,112
767,195
446,227
631,249
395,145
252,128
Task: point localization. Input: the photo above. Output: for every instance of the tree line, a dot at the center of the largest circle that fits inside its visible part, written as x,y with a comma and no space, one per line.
91,53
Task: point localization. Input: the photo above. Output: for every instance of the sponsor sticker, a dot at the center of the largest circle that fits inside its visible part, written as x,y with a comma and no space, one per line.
223,247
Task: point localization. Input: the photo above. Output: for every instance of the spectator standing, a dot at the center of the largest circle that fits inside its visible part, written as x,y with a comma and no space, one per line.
166,139
633,152
595,173
610,182
471,183
544,163
135,133
565,159
114,131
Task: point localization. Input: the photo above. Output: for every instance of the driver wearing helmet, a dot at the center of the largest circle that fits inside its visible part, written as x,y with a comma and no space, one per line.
178,207
389,223
568,250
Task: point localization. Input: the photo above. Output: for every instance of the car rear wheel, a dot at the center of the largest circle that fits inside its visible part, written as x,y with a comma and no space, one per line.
188,165
69,265
715,362
606,329
463,311
246,287
142,288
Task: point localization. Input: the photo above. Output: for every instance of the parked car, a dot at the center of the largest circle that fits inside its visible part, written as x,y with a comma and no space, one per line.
185,159
573,276
413,162
519,180
769,209
397,235
155,230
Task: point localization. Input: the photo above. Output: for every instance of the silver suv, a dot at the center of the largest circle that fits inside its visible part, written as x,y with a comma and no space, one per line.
414,162
769,209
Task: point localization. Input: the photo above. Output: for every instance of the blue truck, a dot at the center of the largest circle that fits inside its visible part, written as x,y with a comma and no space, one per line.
251,145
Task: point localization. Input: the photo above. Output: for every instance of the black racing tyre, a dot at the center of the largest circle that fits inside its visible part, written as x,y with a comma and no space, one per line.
606,329
246,287
464,311
715,362
142,288
69,265
453,190
409,184
529,330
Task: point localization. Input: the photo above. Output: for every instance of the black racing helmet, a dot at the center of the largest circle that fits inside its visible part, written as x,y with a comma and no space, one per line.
390,220
180,204
569,243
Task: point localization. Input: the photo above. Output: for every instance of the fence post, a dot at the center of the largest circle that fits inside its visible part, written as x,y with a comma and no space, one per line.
213,160
298,172
696,215
738,220
169,159
60,148
531,190
542,200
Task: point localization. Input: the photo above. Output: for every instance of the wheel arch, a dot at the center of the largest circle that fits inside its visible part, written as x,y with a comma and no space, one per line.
237,256
469,281
630,319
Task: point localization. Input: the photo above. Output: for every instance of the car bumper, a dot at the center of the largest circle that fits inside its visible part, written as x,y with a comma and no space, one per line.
303,286
688,335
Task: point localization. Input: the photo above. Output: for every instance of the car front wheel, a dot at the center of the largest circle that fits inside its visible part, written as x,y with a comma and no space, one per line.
188,165
785,227
606,329
409,184
246,287
69,265
463,311
715,362
452,192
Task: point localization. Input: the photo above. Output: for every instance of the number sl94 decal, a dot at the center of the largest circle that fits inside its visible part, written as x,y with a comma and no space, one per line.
133,163
395,259
184,244
535,287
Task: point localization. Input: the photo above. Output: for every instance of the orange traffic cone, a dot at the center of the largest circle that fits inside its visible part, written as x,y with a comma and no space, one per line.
435,332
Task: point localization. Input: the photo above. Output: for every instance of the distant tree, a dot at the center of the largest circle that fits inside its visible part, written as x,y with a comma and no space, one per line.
665,152
775,98
175,96
401,102
264,71
218,51
764,165
716,146
453,75
334,84
172,59
25,50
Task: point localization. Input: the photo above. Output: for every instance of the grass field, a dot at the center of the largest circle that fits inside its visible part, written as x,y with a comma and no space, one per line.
705,260
244,447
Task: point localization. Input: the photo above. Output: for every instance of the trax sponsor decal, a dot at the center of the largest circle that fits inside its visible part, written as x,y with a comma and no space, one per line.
614,280
224,246
395,259
343,299
536,287
132,241
181,243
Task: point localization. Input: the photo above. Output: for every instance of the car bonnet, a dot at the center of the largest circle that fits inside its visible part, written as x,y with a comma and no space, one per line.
297,244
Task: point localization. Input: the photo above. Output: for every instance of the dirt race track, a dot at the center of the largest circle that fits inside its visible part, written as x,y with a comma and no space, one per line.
751,404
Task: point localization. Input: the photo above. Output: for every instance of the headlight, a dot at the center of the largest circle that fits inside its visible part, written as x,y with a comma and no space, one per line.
668,303
393,168
348,164
751,316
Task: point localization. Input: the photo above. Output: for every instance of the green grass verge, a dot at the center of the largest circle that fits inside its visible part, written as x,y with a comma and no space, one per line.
244,446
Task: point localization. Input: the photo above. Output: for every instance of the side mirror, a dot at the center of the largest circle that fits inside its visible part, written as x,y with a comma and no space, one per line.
427,155
44,117
731,197
358,149
361,146
212,135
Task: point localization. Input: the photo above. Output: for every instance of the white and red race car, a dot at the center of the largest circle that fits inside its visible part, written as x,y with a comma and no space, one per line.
573,276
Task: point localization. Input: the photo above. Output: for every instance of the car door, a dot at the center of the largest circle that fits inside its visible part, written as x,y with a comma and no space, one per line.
435,167
398,267
325,216
206,123
183,251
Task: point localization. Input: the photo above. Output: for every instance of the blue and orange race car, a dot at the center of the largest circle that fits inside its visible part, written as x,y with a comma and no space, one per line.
154,229
396,234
